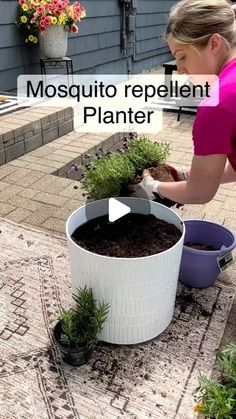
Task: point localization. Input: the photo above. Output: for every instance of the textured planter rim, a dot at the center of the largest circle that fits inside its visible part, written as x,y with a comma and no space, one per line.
122,258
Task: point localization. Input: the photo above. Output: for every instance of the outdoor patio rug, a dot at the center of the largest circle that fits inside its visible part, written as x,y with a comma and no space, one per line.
154,380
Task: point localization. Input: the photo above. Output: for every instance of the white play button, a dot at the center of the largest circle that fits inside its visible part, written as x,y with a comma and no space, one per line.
117,209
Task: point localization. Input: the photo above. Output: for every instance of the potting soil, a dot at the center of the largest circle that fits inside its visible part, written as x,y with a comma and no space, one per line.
135,235
199,246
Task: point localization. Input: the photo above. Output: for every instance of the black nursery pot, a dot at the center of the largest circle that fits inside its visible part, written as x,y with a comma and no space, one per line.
72,356
164,201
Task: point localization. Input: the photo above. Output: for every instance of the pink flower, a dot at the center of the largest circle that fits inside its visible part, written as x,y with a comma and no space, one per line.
21,2
47,20
62,5
39,9
42,22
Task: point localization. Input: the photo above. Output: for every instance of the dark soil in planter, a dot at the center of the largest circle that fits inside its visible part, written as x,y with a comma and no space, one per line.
199,246
135,235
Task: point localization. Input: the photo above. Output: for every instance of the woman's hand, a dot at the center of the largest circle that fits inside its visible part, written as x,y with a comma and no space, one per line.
179,173
150,185
202,183
146,187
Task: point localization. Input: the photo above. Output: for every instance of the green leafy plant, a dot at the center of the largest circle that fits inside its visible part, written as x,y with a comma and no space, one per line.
226,364
217,397
82,324
107,175
143,153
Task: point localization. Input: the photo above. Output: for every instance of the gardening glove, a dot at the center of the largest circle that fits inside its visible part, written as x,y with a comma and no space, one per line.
146,188
150,185
179,173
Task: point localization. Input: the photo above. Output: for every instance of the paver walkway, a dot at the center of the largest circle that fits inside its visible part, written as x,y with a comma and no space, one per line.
29,193
32,195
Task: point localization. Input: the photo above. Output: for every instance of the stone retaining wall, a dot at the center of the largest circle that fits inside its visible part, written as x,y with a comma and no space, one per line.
72,169
26,130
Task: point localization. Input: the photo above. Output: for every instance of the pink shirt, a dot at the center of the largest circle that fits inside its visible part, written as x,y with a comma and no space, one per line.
214,129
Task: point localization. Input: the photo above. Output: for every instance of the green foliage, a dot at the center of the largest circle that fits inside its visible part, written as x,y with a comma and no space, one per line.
226,363
217,397
69,327
107,175
143,153
82,324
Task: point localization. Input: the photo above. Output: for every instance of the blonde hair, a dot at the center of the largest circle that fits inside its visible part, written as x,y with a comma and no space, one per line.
193,22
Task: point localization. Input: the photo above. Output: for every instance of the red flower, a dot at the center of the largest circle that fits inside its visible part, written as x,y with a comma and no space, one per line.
74,29
47,20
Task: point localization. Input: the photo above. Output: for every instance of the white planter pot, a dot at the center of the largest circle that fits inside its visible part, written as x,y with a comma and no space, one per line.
141,291
53,42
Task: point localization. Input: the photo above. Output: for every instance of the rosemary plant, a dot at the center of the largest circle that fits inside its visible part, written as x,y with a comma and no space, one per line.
82,324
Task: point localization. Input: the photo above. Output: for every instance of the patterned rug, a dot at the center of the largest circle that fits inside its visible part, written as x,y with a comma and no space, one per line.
152,380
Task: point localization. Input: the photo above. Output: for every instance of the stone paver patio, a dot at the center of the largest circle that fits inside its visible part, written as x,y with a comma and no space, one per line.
32,195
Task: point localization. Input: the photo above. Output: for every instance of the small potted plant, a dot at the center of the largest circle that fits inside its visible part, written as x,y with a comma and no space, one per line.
217,396
78,329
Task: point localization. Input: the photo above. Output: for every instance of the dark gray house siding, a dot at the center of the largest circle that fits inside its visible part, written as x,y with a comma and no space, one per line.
97,47
150,49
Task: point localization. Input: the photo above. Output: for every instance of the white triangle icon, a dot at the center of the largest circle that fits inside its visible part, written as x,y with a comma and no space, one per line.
117,209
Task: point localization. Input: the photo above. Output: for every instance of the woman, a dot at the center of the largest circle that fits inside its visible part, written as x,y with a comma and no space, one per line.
201,35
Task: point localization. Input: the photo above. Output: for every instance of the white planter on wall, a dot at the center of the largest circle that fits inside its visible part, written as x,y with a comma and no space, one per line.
53,42
141,291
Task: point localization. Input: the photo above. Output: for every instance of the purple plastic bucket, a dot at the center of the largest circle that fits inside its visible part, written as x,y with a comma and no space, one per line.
199,268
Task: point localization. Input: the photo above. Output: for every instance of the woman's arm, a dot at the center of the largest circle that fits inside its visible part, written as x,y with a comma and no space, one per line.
229,174
205,177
